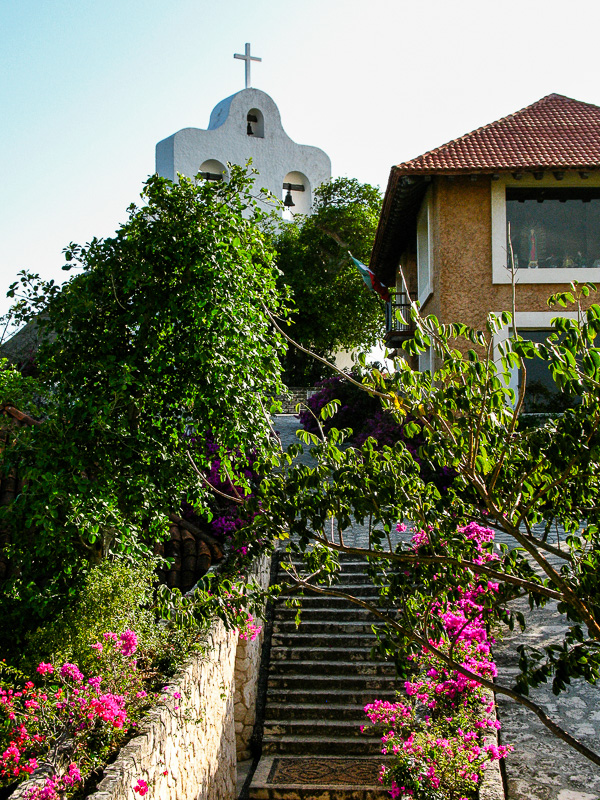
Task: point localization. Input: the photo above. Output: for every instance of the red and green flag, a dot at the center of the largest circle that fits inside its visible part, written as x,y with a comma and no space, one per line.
371,280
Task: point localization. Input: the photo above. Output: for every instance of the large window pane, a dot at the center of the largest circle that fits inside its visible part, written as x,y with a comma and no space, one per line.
554,228
542,395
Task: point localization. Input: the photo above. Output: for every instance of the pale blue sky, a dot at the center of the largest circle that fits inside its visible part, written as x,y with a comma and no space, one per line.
89,86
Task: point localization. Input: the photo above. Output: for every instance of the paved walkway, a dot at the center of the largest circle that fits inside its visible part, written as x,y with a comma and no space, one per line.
542,767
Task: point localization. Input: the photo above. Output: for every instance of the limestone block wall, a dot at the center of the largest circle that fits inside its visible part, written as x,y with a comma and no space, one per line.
192,740
195,744
247,666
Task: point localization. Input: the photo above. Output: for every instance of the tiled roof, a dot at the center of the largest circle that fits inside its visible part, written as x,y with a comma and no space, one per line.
555,132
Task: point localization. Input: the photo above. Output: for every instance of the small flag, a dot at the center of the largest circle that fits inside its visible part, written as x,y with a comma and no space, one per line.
371,280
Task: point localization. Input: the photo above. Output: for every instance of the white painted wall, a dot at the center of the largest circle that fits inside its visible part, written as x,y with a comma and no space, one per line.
274,154
424,251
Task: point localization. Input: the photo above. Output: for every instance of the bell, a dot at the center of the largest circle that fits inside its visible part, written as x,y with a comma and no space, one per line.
249,130
288,202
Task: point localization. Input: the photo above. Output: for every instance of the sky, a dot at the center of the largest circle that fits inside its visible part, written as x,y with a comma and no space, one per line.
88,88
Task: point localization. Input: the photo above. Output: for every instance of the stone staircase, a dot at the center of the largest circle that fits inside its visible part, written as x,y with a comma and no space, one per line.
320,678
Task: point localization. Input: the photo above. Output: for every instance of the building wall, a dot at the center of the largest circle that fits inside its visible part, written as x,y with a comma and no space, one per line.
462,257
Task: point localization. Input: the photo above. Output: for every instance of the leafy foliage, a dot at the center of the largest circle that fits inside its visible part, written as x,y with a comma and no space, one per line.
354,410
162,337
333,309
115,595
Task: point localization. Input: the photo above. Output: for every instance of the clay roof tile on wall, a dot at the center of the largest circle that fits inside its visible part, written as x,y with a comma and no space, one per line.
556,131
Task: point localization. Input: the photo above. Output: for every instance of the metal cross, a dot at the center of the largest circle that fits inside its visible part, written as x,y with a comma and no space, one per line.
247,58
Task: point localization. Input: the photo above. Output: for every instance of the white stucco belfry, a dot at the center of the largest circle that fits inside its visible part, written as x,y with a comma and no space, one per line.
247,125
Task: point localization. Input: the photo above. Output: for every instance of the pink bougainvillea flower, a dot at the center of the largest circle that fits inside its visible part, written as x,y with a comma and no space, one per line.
128,642
71,671
141,787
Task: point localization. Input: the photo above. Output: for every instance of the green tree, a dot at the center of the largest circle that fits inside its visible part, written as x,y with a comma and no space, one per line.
159,344
518,479
333,308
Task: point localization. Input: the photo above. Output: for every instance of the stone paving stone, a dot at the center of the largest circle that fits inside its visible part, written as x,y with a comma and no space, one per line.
542,767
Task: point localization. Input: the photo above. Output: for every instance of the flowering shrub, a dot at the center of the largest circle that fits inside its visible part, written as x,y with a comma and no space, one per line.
356,409
228,518
90,716
363,414
141,787
56,786
435,732
250,631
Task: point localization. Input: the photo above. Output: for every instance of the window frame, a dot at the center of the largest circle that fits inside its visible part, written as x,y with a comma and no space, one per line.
526,320
500,273
425,286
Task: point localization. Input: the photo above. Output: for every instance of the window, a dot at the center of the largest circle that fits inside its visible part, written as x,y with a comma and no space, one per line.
542,394
424,253
296,195
213,170
553,228
255,123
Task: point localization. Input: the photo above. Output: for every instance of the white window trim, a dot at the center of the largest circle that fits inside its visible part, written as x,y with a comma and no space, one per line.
500,274
428,289
426,360
526,320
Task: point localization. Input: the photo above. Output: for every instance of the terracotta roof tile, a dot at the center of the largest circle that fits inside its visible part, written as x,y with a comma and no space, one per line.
555,132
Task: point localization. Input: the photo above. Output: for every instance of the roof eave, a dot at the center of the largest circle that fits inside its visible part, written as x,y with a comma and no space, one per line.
401,204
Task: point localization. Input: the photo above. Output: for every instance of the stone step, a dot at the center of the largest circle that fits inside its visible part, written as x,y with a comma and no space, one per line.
349,565
358,697
311,710
354,588
322,668
372,684
341,579
300,639
309,603
320,652
350,614
323,627
340,728
321,745
317,791
318,778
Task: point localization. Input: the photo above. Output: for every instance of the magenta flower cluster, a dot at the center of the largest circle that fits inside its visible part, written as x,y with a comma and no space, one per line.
249,631
229,518
66,705
435,733
56,786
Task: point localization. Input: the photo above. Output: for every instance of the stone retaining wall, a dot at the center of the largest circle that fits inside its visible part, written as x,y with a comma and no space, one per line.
192,739
247,665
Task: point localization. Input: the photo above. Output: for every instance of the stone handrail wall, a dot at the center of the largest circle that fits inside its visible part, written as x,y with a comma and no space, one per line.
247,665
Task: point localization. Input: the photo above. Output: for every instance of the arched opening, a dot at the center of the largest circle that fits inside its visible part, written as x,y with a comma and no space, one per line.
213,170
296,195
255,123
